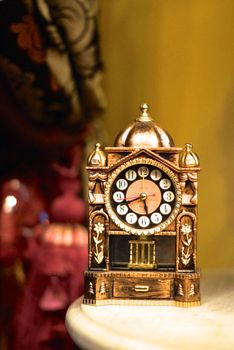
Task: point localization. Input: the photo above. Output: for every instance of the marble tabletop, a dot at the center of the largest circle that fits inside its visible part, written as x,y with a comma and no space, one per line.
209,326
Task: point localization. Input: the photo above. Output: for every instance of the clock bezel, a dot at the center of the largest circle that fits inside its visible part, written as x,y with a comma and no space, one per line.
157,228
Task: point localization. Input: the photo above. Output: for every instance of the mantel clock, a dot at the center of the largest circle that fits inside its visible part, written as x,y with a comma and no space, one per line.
142,220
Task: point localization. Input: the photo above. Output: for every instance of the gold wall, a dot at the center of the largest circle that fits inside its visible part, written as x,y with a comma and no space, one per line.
178,56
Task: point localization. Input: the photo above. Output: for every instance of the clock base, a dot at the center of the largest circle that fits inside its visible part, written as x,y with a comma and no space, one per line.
142,288
140,302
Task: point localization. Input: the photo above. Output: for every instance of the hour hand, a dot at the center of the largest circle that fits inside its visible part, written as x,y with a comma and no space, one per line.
145,207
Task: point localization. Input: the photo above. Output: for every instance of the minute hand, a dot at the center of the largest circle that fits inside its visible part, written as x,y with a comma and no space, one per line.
131,199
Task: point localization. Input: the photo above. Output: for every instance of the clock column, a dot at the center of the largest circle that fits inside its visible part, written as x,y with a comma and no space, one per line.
187,289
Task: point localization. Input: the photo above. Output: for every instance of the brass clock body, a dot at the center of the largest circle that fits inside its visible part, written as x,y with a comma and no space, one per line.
142,198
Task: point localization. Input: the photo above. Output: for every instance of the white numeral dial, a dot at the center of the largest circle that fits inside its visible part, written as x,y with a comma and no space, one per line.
165,209
122,209
131,218
156,218
143,171
118,196
121,184
165,184
168,196
131,175
143,221
155,174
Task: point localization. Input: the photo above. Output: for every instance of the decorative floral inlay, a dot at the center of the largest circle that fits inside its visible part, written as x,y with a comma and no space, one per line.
186,230
99,228
186,255
186,250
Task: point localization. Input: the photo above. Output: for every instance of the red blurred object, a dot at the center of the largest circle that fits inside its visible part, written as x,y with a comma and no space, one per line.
55,280
56,258
20,205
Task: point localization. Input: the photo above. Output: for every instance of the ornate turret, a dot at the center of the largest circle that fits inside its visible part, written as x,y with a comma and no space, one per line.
97,157
188,159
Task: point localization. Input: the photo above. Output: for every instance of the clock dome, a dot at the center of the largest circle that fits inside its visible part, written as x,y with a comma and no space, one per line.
144,132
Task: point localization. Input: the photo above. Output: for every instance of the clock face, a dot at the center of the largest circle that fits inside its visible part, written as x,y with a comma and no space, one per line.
142,196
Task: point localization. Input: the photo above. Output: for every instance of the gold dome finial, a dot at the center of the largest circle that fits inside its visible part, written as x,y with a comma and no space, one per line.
97,157
188,159
144,108
144,115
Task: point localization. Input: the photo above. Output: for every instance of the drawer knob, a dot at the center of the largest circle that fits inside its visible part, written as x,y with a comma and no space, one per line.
140,288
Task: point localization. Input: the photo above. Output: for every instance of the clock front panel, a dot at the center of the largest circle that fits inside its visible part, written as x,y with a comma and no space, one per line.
143,196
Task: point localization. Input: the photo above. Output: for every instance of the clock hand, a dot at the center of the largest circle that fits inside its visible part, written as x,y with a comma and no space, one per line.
130,199
143,184
145,207
151,195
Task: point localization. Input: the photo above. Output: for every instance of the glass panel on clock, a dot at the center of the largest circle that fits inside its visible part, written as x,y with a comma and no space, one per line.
166,253
119,252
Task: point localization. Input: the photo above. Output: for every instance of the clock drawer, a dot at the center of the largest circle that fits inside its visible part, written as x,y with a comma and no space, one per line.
142,288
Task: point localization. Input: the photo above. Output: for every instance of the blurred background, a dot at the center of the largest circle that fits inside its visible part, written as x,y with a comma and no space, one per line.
74,75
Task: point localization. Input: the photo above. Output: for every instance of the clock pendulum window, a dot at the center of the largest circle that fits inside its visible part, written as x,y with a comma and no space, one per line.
143,220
